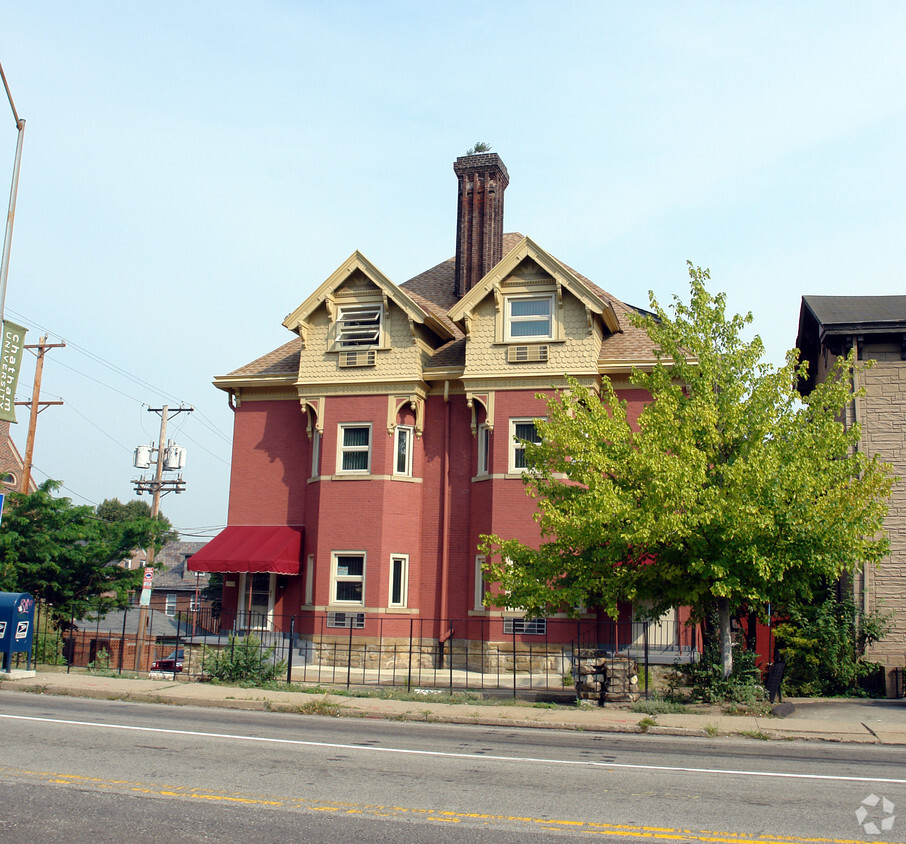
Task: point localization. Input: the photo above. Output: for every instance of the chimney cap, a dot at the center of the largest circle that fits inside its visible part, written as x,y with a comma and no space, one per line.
481,161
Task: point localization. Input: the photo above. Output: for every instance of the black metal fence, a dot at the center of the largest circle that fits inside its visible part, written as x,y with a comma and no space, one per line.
511,655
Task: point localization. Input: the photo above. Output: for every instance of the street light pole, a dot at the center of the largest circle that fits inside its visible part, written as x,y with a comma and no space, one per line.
13,192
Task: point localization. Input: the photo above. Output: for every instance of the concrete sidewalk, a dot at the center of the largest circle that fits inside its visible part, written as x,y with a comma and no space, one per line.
869,722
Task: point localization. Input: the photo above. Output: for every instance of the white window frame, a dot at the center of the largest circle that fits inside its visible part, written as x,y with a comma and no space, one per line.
509,319
170,604
516,447
406,434
484,450
336,578
355,449
482,587
358,326
400,561
309,580
194,604
315,453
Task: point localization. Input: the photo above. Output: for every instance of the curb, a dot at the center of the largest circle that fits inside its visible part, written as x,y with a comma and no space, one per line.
345,707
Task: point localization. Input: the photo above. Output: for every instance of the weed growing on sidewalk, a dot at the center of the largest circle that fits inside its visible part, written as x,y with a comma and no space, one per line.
761,735
321,707
656,706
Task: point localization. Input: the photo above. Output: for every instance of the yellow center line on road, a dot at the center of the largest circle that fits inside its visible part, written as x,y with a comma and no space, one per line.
651,833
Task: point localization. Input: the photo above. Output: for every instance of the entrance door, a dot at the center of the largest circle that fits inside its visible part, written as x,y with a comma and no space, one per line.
256,601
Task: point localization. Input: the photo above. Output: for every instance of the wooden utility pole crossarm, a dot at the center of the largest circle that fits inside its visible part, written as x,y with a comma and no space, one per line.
36,407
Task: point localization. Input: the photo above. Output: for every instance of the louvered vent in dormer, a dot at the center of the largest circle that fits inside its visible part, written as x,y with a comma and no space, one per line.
527,354
367,357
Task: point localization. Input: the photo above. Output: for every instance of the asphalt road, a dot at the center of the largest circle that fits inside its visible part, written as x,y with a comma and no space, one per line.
101,771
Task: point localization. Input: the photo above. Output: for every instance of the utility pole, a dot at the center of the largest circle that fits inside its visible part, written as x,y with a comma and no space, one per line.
170,457
36,407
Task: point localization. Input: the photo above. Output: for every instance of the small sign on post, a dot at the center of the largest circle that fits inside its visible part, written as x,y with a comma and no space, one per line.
147,583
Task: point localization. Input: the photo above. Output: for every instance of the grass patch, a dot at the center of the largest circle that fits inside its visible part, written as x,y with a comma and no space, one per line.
660,707
320,707
711,730
755,734
646,723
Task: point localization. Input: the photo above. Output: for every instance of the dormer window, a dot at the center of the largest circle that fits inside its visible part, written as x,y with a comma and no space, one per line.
529,318
358,327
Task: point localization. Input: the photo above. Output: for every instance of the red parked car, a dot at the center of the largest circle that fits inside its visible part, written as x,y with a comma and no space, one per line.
173,662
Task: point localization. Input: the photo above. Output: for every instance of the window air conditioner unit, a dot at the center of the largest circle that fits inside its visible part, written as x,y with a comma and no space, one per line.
367,357
527,354
355,620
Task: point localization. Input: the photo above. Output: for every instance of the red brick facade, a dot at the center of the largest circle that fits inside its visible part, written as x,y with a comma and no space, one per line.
451,361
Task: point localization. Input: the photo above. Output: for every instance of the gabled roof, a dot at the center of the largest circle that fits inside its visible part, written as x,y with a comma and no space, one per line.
298,320
848,314
580,287
430,294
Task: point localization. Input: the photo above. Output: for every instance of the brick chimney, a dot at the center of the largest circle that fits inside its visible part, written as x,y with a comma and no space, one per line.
479,218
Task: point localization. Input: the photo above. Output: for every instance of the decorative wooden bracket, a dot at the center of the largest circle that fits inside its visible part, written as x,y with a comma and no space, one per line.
486,400
314,410
416,405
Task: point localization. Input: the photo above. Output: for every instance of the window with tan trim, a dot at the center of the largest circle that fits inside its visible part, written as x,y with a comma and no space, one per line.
309,579
354,449
315,453
399,580
481,585
484,450
529,318
348,578
402,451
358,327
521,430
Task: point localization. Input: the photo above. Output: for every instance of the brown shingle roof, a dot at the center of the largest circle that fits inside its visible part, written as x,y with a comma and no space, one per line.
450,355
433,291
282,361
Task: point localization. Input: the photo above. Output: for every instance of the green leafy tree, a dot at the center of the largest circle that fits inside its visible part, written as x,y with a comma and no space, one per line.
729,493
824,643
136,515
67,556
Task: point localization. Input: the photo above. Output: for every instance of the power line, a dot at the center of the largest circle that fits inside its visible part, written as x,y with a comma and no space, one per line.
98,359
98,427
96,380
205,420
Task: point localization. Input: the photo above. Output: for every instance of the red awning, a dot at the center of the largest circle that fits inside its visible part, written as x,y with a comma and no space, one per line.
252,548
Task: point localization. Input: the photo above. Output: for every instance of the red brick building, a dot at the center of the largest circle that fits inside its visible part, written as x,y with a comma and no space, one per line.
372,450
11,465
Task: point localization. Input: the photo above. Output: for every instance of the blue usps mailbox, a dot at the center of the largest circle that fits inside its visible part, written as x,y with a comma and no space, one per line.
17,626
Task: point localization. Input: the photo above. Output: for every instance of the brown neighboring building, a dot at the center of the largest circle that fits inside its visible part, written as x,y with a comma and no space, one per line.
175,588
875,326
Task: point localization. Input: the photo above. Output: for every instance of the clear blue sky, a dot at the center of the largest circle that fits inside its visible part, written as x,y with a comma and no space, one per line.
192,171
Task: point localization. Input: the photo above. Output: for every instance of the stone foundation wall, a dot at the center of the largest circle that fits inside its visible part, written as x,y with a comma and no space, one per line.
465,655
